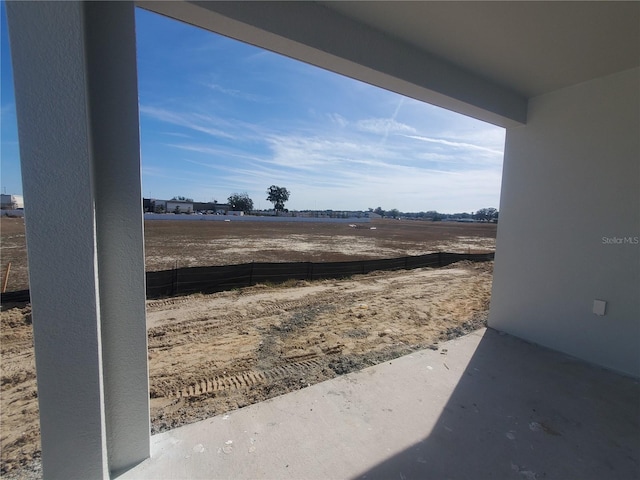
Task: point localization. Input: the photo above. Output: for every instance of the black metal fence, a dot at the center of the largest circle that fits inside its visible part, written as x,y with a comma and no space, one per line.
187,280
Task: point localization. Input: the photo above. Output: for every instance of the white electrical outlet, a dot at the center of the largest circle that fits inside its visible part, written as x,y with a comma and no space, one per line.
599,307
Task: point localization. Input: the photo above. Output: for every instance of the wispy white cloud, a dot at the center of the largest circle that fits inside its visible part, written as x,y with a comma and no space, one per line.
455,144
355,166
384,126
338,119
237,93
195,121
251,118
215,151
176,134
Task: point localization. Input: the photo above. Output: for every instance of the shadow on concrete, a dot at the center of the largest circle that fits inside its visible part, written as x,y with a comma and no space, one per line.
524,412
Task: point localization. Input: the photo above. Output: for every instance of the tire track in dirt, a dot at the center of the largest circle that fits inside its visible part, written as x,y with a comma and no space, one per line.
245,379
163,304
181,333
294,366
227,350
256,302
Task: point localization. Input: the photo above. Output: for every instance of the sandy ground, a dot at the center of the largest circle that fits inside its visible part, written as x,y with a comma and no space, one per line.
209,354
170,244
19,428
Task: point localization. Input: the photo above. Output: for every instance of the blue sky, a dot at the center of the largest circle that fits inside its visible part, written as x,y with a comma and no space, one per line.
218,116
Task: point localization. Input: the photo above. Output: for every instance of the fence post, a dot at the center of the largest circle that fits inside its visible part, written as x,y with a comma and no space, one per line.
6,278
174,285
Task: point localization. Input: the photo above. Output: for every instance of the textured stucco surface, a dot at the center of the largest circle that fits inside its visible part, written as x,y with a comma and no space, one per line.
571,184
76,99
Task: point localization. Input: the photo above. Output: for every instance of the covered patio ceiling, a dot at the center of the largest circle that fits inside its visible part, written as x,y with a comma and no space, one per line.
482,59
529,47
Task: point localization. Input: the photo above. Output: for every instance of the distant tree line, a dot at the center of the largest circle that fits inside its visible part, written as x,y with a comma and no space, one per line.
489,214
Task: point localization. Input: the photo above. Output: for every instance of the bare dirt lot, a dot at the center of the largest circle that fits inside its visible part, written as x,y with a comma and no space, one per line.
170,244
209,354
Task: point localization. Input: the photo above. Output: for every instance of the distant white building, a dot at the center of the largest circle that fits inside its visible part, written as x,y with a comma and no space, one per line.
12,202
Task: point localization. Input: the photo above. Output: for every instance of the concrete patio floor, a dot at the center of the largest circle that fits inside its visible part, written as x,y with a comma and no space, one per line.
485,406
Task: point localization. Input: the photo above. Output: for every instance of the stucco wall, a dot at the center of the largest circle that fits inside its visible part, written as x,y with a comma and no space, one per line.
571,182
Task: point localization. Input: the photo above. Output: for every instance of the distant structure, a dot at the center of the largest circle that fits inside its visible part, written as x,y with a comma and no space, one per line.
331,214
153,205
210,208
12,202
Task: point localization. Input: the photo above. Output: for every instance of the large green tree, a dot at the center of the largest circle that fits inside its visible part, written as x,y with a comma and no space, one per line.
277,196
240,202
486,214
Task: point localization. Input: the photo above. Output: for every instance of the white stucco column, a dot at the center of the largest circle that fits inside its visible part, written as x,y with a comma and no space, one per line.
76,100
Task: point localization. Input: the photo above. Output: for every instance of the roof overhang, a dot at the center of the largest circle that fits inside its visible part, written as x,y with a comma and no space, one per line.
482,59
